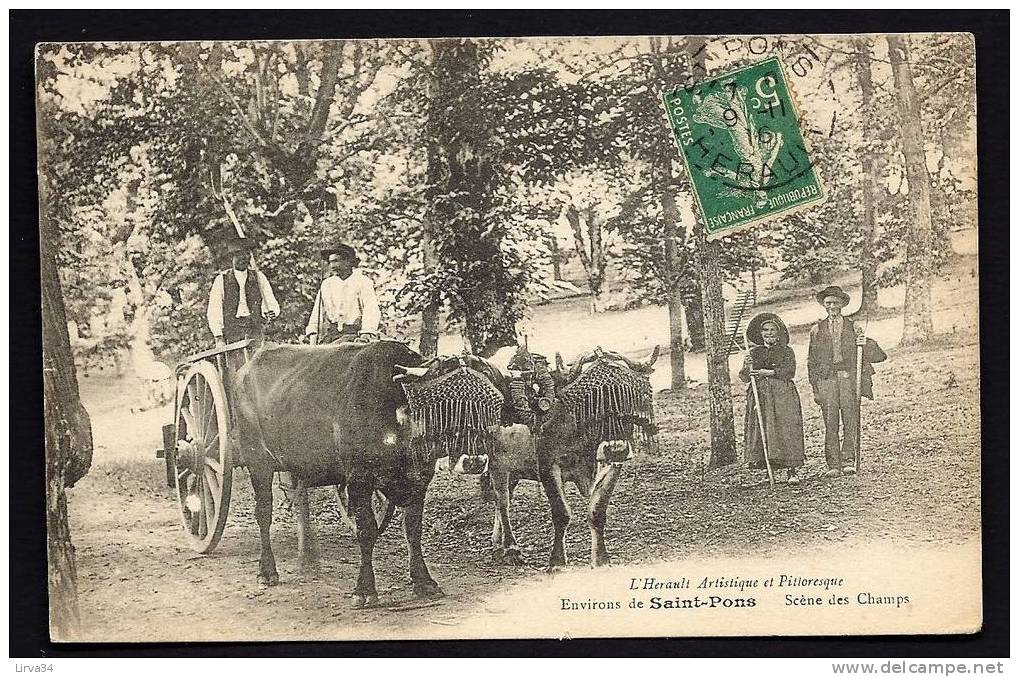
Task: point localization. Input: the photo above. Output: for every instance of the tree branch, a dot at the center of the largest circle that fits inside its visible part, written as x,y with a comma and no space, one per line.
233,100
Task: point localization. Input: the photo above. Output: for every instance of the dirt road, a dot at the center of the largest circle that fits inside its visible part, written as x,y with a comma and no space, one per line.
921,485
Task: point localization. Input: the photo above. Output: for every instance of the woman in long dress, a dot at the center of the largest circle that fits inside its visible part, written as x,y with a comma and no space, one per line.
772,362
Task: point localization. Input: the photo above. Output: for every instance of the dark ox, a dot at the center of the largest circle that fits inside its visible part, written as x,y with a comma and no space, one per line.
582,437
336,415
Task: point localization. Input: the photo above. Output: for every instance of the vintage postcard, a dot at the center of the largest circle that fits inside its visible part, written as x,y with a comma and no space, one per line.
654,336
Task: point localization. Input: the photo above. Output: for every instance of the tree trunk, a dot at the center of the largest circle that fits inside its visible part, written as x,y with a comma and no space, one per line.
918,325
585,226
723,431
868,261
597,276
462,177
716,347
332,53
677,356
68,438
691,297
557,264
429,343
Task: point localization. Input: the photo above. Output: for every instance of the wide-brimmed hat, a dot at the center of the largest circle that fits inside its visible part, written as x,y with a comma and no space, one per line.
235,245
344,250
753,332
833,290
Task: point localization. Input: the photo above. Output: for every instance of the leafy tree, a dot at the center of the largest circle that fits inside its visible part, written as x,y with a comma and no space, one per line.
242,127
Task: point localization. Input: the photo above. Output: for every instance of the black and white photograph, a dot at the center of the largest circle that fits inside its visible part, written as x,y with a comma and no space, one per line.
525,337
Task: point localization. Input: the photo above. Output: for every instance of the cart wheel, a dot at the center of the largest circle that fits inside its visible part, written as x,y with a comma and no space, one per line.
381,506
204,462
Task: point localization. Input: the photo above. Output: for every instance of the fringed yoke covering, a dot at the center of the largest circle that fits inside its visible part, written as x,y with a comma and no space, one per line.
453,414
611,402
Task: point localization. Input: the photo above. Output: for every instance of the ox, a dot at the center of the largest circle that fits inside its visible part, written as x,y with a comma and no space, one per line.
582,436
337,415
329,416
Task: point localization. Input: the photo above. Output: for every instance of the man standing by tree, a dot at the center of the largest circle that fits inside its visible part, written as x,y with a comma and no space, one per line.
240,302
346,307
831,369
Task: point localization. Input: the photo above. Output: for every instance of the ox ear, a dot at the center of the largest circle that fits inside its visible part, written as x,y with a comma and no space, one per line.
559,365
654,356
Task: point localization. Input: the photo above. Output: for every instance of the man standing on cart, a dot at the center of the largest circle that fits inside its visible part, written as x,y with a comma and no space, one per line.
241,299
346,308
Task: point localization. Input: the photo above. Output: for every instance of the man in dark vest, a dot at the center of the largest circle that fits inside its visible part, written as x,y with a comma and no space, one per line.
241,299
831,369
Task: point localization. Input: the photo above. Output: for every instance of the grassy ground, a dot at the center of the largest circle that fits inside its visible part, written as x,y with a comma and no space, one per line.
921,485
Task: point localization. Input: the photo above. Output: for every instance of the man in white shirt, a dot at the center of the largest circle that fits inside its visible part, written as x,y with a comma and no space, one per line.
241,299
346,308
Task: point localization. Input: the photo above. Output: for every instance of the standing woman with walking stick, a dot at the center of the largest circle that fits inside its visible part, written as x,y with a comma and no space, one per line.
773,425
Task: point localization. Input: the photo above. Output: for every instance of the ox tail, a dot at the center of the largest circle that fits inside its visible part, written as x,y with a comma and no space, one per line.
250,421
487,491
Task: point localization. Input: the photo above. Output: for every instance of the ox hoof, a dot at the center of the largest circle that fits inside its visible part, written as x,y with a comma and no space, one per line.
428,590
268,580
365,601
511,557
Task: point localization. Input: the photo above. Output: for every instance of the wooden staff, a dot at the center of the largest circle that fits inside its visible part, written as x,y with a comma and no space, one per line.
760,416
859,404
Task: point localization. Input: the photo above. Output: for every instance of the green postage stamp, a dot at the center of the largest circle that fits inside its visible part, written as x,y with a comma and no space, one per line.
741,141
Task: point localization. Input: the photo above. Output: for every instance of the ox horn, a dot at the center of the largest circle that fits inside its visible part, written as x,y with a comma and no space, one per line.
412,371
654,356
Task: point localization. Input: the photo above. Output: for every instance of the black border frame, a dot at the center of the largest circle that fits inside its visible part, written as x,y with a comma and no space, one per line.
28,591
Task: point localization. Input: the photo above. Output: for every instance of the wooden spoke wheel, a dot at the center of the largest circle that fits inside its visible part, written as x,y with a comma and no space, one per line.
203,462
382,507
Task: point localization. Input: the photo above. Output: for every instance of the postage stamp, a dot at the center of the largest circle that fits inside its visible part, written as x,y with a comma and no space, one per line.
743,147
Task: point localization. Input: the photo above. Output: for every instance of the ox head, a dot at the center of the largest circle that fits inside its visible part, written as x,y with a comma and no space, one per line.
610,397
454,406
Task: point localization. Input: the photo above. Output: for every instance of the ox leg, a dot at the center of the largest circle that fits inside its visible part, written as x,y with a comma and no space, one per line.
424,584
598,504
261,483
307,544
506,549
552,482
496,531
360,495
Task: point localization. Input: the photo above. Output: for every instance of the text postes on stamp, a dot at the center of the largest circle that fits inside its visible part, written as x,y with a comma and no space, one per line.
743,148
